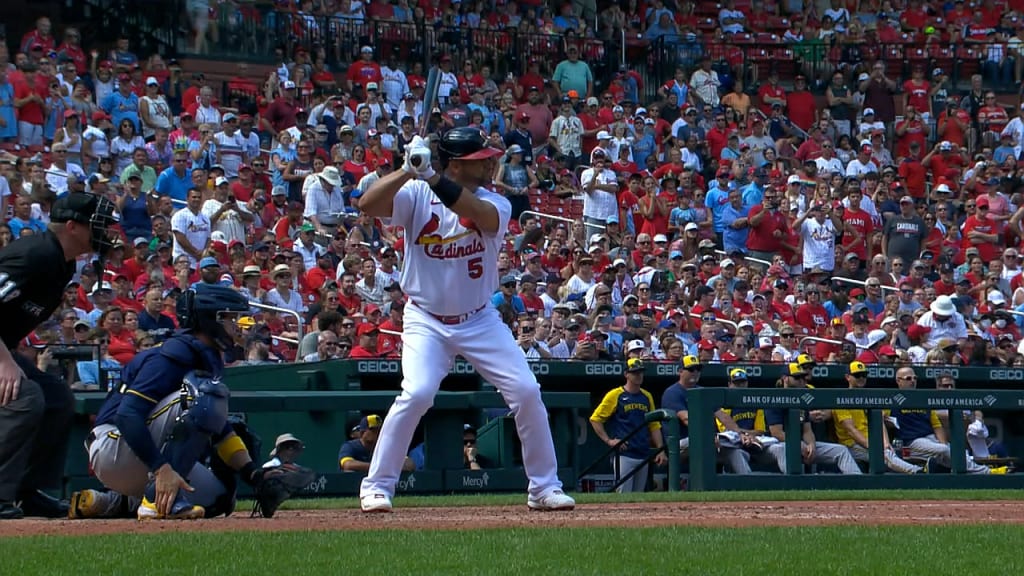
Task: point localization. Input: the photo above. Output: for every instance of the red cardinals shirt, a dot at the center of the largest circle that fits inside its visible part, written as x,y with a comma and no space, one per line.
988,251
860,221
762,237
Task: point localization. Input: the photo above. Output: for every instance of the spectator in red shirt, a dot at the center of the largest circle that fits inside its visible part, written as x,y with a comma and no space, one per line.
811,315
859,226
39,36
347,296
29,99
910,130
771,93
945,158
767,226
800,104
827,351
71,50
980,232
367,333
363,71
916,91
380,10
281,113
912,172
992,116
528,293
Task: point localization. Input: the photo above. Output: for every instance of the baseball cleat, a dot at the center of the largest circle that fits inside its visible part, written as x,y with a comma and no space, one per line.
554,500
181,510
375,503
95,504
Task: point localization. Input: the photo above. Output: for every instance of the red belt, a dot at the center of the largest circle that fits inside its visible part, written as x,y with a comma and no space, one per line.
449,320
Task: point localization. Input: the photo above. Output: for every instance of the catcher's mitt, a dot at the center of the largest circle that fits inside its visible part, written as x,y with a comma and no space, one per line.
279,484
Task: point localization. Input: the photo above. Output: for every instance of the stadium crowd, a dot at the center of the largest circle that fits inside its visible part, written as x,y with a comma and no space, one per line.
703,218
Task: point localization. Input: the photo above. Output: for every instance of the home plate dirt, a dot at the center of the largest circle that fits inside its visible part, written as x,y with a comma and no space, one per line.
715,514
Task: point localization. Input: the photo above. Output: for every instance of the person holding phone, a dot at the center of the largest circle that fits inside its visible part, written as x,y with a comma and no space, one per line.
226,214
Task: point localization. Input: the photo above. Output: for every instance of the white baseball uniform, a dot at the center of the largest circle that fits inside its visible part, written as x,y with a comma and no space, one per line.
450,273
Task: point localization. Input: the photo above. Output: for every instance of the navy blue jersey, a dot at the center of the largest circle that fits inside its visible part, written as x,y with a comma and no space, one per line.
674,400
160,328
621,412
777,417
158,372
353,450
914,424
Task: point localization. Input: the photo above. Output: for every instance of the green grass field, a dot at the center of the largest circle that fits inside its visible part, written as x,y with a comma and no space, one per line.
806,551
774,551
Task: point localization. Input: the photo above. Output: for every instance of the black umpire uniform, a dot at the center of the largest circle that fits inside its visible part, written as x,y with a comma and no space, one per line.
35,427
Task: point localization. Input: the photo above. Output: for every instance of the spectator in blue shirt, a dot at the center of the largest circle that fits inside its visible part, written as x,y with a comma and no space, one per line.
176,180
506,296
734,222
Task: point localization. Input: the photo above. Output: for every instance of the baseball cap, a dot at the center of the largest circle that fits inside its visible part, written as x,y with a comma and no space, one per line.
208,262
737,374
805,360
34,341
635,345
366,328
691,363
795,369
857,368
369,422
634,365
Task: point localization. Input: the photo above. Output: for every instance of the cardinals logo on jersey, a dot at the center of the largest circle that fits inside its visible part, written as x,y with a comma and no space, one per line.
437,245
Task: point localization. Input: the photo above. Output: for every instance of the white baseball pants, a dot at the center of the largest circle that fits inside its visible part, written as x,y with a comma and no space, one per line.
625,465
892,460
429,348
825,453
930,447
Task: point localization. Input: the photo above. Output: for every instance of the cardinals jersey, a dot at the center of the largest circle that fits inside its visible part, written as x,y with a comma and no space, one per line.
451,267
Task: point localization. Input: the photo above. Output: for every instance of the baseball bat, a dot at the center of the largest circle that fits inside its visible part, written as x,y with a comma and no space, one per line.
429,101
430,96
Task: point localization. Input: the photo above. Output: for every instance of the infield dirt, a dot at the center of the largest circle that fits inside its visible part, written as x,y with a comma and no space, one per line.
718,514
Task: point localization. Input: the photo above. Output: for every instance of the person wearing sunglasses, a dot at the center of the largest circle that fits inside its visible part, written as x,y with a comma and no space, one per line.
922,433
736,460
851,427
812,451
326,347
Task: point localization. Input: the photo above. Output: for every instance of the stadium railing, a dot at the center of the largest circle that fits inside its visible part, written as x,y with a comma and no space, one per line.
703,402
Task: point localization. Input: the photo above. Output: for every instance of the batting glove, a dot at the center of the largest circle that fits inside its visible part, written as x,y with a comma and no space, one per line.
417,162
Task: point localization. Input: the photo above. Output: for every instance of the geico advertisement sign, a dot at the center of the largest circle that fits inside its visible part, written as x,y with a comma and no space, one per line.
395,367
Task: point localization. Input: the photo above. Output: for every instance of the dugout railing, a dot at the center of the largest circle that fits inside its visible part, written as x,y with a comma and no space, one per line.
670,434
703,402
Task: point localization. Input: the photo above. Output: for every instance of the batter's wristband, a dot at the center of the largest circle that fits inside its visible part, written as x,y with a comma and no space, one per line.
447,192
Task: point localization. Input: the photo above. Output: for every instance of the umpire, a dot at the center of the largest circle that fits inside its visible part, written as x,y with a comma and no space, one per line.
36,408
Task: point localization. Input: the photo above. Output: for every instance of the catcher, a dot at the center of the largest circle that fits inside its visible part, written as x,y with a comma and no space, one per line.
154,435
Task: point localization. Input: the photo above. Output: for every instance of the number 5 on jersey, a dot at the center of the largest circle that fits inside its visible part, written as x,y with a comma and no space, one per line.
475,267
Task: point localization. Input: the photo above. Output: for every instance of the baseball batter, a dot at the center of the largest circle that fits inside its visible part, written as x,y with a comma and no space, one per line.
454,229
